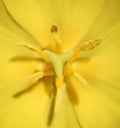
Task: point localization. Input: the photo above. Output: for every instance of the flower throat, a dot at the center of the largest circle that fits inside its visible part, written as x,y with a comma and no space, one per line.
60,62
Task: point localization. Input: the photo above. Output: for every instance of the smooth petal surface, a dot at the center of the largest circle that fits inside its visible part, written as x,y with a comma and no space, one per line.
101,69
73,17
29,21
64,110
17,63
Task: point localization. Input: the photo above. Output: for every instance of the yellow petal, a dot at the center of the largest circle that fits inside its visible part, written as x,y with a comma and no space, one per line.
28,110
96,106
17,63
73,18
99,106
107,23
64,110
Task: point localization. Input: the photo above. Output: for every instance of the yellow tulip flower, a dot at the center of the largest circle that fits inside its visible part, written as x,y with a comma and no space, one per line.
60,64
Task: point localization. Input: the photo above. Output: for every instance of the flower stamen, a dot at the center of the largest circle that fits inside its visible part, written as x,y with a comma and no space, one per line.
86,47
81,79
90,44
39,52
31,80
55,32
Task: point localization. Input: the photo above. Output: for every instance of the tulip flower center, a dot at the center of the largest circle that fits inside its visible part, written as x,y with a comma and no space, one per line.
60,63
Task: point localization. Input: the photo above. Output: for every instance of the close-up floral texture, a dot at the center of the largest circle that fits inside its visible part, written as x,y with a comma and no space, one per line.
59,64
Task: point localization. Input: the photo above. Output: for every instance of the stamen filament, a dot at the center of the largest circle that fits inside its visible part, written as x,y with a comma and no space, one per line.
75,55
81,79
34,78
39,52
55,32
31,79
59,81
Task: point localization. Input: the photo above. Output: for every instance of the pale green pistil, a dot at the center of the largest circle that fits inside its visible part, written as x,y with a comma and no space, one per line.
58,61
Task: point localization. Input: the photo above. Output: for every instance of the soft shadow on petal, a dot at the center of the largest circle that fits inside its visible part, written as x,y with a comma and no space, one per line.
10,35
102,73
99,107
13,30
14,111
73,17
27,111
64,109
106,24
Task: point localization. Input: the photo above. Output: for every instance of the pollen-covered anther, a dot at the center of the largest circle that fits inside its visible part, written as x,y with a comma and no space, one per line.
85,47
90,44
55,31
54,28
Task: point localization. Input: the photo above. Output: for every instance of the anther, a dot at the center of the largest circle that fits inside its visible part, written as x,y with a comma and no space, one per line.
87,46
54,28
90,44
55,32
